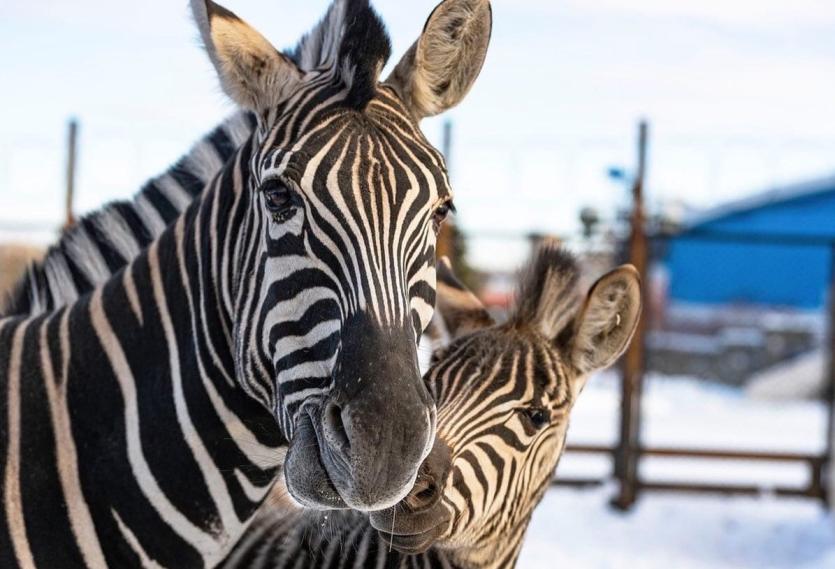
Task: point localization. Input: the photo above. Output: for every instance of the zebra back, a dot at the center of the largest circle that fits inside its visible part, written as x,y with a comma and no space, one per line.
105,240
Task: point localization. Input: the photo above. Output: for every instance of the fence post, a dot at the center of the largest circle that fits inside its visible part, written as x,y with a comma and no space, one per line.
827,477
446,238
72,137
627,452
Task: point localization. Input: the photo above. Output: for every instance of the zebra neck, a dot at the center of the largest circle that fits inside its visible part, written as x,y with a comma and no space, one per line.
147,451
217,450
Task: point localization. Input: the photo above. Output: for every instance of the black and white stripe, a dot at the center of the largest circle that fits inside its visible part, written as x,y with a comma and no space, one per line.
504,395
142,423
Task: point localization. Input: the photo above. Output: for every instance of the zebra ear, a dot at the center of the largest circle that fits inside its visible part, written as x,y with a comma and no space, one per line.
607,322
442,65
252,72
457,310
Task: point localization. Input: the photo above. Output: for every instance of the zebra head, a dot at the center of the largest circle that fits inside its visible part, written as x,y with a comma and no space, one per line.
504,394
342,198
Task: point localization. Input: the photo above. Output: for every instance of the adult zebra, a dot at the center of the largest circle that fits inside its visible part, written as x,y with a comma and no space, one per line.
504,396
104,241
142,424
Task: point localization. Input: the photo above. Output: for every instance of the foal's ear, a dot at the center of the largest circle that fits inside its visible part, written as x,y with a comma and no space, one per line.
252,72
607,322
457,310
442,65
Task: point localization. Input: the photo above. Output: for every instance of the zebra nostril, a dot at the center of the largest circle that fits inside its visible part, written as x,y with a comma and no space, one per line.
423,495
334,427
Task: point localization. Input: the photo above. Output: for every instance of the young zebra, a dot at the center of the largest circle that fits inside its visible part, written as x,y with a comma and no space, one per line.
504,396
104,241
142,424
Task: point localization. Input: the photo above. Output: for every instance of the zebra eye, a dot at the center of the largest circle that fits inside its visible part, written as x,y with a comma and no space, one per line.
538,416
441,213
279,199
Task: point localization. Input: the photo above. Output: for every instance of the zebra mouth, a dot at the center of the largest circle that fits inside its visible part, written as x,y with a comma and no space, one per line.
410,532
307,477
413,543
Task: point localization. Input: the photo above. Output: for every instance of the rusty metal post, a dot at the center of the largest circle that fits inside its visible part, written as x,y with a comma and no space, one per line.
446,238
627,453
72,138
827,476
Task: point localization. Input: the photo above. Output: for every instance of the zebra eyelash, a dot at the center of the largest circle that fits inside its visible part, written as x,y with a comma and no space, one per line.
441,213
449,204
277,179
282,211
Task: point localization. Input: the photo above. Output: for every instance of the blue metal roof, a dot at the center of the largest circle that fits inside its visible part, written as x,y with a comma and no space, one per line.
772,248
770,197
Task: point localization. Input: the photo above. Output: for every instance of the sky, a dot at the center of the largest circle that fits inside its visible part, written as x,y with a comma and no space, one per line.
739,96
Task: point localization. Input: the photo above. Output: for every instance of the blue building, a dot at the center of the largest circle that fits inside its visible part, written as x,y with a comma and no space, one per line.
774,248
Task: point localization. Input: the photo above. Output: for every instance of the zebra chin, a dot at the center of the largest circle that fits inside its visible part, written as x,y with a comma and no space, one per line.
411,532
421,519
414,543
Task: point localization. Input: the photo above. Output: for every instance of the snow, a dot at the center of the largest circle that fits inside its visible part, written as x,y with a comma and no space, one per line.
803,378
578,529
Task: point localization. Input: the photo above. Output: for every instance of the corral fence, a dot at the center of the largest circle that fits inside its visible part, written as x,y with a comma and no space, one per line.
628,451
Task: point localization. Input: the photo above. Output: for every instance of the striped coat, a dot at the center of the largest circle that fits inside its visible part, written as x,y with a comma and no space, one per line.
144,417
504,394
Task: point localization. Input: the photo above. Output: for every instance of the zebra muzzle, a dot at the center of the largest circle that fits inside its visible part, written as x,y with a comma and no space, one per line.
421,519
369,434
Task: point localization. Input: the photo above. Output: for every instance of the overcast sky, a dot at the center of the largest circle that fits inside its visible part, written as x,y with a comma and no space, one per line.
740,96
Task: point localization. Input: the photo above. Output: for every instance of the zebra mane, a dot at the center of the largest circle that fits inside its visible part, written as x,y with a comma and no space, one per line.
103,241
548,292
352,41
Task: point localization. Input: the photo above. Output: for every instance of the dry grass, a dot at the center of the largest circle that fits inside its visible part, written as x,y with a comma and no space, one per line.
13,261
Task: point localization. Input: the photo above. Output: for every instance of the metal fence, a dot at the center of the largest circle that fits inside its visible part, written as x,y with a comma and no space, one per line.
628,452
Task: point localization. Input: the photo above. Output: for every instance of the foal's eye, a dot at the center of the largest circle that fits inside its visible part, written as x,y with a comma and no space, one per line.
279,199
538,416
441,213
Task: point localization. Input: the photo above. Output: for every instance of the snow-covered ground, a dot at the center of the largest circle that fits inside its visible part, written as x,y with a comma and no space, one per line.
577,528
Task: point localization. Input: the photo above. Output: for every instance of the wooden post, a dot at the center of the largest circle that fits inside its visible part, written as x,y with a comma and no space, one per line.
828,474
628,449
71,158
446,238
